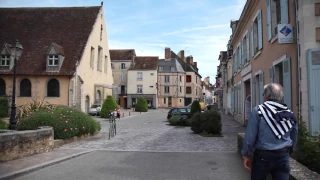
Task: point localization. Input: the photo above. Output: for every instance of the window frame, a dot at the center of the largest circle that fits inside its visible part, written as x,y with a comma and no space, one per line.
55,58
6,59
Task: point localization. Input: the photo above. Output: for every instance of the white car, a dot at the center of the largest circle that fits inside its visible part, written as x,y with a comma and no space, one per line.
95,109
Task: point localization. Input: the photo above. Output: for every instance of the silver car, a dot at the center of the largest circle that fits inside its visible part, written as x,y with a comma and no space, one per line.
95,109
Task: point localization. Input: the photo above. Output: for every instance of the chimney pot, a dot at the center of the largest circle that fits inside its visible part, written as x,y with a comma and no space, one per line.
167,53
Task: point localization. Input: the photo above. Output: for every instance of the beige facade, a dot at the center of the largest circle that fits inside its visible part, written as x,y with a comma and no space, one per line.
66,75
258,57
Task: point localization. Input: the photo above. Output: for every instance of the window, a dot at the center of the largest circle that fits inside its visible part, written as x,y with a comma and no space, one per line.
160,68
188,90
164,100
123,65
123,77
180,89
151,74
53,60
5,60
112,66
101,31
275,16
173,69
25,88
180,78
166,89
139,76
166,78
180,100
99,64
92,58
256,34
2,87
139,89
105,64
53,88
188,79
277,13
151,86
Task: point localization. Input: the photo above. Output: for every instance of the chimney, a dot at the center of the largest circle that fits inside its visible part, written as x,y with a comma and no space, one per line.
195,64
187,60
191,60
181,55
167,53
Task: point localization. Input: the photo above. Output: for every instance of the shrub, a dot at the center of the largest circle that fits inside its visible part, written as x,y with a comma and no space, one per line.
34,106
142,105
4,107
308,149
208,122
195,107
196,123
66,122
108,104
3,124
174,120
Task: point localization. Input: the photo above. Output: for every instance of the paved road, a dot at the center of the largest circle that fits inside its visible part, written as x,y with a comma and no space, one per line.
145,147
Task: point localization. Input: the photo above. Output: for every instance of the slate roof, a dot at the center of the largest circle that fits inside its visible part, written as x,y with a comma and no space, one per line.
172,63
145,63
186,67
38,28
121,54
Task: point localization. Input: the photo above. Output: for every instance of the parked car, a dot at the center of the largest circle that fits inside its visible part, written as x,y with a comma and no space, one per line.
95,109
179,111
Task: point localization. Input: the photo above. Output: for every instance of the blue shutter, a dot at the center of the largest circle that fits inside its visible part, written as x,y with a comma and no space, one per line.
261,84
286,69
260,29
284,12
242,55
236,61
248,47
252,45
269,21
240,99
271,74
253,85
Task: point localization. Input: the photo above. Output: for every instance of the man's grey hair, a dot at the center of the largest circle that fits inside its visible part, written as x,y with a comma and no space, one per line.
273,92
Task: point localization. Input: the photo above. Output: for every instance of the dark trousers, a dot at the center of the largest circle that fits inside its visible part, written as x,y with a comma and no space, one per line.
274,162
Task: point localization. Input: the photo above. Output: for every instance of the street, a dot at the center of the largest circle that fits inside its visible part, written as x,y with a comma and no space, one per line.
145,147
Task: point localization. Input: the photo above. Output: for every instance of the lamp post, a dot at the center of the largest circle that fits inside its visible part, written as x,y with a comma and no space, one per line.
16,51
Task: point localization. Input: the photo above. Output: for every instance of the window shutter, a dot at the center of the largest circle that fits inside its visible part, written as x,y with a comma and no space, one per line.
284,11
242,56
260,29
252,45
269,22
253,104
248,47
240,99
286,69
261,84
232,99
233,63
271,74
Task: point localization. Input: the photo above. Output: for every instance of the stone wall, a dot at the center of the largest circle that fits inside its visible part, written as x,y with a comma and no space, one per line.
19,144
298,171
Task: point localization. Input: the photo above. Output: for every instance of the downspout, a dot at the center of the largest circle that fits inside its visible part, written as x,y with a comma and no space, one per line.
297,58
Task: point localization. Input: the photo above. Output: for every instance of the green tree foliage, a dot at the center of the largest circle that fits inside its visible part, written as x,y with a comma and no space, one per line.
142,105
4,107
195,107
108,104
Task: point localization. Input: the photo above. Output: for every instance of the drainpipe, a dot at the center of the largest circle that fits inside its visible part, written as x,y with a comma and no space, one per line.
297,58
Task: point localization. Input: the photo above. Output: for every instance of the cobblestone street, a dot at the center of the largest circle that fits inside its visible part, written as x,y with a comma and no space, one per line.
151,132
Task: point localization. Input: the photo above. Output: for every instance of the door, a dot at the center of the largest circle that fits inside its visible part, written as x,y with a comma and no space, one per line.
87,104
170,102
314,86
187,101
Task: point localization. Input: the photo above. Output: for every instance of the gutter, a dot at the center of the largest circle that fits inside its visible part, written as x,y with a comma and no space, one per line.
297,58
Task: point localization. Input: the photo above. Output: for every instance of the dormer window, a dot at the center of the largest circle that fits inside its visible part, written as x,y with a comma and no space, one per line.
53,60
5,60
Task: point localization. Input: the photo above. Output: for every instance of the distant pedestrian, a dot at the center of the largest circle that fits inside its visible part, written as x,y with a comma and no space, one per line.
272,131
118,113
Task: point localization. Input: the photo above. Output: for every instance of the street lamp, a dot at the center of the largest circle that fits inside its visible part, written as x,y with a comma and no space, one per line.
16,51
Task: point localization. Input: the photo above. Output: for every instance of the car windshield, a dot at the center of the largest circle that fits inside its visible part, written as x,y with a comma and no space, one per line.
94,106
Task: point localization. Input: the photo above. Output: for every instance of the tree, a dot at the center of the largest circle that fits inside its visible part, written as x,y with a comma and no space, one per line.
108,104
142,105
195,107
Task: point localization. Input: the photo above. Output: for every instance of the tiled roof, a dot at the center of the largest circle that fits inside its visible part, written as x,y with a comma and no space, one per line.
145,63
38,28
121,54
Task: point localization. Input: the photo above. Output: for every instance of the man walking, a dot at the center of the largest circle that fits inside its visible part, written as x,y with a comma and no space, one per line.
271,136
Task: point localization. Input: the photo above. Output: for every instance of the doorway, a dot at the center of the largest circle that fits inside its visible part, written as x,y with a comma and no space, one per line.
170,102
87,104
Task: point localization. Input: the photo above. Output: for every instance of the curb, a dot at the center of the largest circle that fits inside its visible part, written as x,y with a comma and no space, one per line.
31,169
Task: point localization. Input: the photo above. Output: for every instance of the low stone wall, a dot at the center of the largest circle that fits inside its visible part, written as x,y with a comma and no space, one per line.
19,144
298,171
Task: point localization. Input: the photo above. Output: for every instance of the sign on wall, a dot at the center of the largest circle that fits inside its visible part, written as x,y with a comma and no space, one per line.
285,34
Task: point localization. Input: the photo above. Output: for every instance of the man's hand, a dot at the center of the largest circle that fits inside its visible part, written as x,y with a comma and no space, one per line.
247,163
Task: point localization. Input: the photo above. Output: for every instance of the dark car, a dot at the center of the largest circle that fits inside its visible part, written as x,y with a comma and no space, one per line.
179,111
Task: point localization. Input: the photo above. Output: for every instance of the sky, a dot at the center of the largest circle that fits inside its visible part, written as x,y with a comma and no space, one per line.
199,27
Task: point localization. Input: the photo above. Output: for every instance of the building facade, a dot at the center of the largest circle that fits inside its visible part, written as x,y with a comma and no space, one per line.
263,52
142,81
50,68
121,61
308,19
207,91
